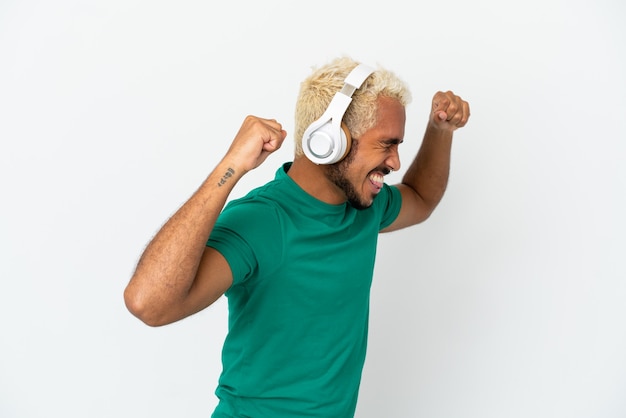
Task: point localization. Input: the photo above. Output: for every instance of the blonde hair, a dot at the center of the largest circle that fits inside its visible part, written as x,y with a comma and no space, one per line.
318,89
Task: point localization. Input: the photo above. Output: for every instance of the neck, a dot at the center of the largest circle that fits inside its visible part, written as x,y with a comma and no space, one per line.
313,180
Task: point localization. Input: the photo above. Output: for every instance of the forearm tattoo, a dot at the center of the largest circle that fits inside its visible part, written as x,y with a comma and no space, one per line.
229,173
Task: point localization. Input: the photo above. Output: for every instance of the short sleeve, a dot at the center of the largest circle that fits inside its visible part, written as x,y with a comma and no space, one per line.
248,235
390,201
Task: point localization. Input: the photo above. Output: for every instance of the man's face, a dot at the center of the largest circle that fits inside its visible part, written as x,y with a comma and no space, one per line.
373,155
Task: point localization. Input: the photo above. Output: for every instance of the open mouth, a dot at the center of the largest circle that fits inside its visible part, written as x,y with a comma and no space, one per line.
377,181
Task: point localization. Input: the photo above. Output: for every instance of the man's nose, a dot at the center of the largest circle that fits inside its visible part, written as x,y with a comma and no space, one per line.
393,162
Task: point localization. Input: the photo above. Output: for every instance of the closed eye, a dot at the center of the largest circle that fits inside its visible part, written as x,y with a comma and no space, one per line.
393,141
390,143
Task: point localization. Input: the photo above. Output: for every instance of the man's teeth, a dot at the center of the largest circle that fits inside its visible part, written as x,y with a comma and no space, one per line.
377,178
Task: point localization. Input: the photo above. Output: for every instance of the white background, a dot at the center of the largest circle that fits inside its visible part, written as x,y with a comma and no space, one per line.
507,302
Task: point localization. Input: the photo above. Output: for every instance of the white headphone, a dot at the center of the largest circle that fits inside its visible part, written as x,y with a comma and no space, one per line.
327,140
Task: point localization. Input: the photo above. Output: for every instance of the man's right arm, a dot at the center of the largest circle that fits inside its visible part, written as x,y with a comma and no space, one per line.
177,275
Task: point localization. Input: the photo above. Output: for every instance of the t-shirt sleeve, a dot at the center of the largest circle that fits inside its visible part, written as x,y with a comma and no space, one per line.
391,203
248,235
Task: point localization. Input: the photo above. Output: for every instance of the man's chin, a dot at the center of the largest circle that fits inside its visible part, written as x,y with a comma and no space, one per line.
359,204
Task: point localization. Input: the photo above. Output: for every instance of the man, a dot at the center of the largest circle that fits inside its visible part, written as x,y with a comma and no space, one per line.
295,257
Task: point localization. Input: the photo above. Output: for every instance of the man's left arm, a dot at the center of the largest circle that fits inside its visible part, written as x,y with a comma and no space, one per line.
426,179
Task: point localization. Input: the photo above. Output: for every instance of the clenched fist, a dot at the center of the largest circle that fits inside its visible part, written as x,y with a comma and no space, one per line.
256,140
449,111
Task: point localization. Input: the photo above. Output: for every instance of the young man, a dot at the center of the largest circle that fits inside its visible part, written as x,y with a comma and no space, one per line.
295,257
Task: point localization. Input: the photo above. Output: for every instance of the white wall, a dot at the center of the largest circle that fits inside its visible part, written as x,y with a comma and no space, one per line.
508,302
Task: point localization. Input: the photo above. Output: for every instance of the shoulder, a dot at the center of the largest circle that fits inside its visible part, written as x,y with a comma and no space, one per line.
388,204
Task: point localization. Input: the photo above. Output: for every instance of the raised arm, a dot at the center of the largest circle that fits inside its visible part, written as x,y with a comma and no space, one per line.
426,179
177,275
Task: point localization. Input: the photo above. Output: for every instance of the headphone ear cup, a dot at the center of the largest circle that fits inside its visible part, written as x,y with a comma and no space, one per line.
325,148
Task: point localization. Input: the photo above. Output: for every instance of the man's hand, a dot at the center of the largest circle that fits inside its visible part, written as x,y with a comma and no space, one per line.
256,140
449,111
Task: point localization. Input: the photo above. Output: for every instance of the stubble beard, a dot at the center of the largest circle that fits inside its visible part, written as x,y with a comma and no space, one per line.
337,174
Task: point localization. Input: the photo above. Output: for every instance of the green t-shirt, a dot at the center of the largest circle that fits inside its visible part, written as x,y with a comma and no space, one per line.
299,304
